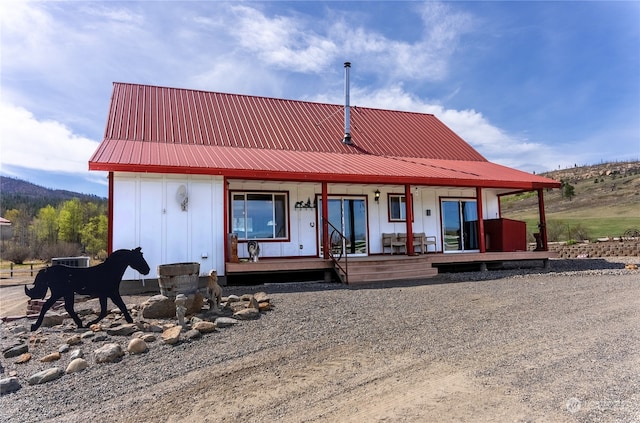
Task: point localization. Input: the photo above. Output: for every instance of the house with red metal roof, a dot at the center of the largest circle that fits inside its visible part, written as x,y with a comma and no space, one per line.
194,176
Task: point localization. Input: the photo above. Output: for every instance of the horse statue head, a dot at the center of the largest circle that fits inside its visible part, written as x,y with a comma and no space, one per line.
137,261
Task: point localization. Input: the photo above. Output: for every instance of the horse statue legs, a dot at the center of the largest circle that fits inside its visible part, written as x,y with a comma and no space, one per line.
68,305
117,300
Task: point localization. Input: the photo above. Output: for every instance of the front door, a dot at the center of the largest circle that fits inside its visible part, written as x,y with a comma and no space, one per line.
349,216
460,225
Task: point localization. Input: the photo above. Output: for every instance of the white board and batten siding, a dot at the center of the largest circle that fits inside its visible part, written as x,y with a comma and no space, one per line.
148,214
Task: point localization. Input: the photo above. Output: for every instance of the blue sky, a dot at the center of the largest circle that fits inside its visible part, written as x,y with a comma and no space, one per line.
531,85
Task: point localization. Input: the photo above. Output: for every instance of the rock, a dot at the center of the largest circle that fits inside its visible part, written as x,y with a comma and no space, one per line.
195,303
52,319
223,322
23,358
137,346
247,314
192,334
74,340
15,350
63,348
264,306
76,365
108,353
100,338
262,297
51,357
89,334
156,328
45,376
76,354
96,327
171,336
232,299
148,337
9,385
158,307
123,330
246,297
253,303
204,326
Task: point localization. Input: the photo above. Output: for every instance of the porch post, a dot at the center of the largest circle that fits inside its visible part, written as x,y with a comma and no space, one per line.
325,219
409,204
110,215
483,247
543,220
225,218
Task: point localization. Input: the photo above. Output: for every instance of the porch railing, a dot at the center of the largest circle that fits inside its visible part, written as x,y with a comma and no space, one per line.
337,243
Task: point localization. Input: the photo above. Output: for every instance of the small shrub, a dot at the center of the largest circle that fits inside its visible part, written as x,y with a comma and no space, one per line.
60,249
102,255
17,253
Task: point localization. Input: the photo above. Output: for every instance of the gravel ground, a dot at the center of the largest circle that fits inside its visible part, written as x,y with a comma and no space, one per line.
521,344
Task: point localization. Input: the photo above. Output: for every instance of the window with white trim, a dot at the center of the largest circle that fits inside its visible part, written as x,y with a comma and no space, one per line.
259,215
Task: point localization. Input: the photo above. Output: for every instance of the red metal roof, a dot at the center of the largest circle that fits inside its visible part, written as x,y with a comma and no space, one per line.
169,130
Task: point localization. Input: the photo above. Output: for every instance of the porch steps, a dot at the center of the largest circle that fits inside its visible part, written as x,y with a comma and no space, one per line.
378,269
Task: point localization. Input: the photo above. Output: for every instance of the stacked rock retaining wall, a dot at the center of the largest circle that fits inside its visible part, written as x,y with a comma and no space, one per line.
615,248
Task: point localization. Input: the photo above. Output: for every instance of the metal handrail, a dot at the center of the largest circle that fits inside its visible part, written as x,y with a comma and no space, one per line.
343,251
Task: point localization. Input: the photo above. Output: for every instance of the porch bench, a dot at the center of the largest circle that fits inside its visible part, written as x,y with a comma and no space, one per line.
423,241
392,241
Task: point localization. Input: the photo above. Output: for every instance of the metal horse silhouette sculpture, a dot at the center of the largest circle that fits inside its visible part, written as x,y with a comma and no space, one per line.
101,281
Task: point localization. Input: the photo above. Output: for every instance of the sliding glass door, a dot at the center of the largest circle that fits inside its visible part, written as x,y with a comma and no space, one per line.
460,225
349,216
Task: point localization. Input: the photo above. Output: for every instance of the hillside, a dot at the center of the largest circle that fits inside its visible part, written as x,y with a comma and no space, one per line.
16,193
607,199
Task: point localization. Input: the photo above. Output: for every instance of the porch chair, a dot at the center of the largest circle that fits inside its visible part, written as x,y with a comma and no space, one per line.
419,242
390,241
401,242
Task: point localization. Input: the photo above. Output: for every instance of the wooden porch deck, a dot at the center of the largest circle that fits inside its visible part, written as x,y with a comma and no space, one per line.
377,268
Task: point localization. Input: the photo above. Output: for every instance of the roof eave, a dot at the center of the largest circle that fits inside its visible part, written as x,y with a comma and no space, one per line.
271,175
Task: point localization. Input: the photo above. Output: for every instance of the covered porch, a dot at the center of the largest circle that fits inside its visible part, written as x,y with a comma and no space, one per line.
375,268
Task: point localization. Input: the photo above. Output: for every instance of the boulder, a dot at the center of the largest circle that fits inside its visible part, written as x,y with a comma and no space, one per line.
9,385
45,376
122,330
108,353
171,336
76,354
158,307
137,346
52,319
194,303
15,350
192,334
204,326
76,365
247,314
223,322
262,297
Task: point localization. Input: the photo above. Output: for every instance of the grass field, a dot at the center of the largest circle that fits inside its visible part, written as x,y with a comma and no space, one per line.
606,208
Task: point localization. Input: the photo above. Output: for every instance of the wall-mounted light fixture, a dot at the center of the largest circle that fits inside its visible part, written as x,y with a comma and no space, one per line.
377,195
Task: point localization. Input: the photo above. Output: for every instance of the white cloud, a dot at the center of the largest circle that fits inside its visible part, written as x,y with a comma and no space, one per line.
283,41
42,145
493,143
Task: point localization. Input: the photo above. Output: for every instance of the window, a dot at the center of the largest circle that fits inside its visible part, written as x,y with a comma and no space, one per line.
397,208
258,215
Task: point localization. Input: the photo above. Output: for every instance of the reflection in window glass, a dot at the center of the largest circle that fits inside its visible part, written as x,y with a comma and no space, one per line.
259,215
397,207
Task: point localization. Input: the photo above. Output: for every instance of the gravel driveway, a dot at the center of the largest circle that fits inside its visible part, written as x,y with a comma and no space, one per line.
516,345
